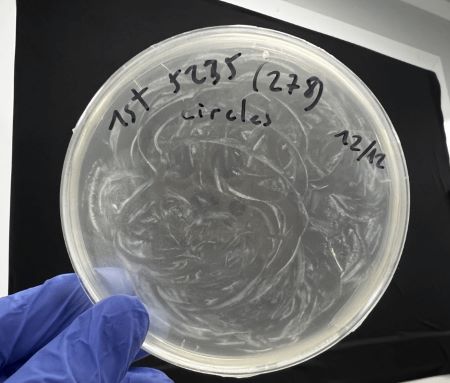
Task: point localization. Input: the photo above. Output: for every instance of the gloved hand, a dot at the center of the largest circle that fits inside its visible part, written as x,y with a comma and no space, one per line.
53,333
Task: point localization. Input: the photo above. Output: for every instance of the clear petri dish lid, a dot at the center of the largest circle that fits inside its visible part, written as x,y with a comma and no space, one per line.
247,187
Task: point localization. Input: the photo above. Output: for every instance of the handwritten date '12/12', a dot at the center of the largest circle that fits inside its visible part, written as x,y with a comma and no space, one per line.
370,152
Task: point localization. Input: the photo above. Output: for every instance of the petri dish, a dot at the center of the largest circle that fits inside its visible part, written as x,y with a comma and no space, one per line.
247,187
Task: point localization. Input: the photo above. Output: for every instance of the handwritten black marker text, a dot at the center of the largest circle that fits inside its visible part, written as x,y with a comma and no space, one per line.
215,76
369,151
312,83
213,71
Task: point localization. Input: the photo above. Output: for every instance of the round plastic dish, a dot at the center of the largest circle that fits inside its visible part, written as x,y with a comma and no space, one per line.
247,187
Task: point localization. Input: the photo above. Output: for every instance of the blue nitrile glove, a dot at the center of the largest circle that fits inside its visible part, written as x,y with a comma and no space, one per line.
53,333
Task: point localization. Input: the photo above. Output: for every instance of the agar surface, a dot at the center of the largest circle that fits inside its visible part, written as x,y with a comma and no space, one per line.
239,237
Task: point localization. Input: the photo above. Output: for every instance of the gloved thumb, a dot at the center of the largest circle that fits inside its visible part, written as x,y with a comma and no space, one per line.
98,346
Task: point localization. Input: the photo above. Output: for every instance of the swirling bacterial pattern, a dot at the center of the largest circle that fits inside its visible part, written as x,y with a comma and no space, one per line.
239,237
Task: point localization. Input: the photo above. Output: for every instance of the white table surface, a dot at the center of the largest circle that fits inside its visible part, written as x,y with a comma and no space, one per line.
7,45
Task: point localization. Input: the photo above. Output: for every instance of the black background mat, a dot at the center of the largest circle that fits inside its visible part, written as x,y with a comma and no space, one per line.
67,49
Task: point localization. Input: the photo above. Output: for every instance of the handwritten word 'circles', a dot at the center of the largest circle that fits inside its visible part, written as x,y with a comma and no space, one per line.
228,114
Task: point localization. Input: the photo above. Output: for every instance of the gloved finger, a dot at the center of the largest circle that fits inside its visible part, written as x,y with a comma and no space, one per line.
145,375
31,318
141,355
98,346
117,282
